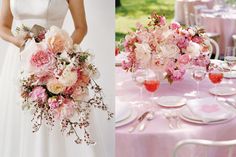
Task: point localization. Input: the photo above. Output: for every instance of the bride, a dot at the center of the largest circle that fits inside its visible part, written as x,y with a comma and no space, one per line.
16,137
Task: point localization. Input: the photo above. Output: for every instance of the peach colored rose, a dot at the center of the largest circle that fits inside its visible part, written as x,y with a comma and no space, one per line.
58,40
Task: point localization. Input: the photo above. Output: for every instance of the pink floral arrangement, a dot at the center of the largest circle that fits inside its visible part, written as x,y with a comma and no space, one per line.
58,83
168,47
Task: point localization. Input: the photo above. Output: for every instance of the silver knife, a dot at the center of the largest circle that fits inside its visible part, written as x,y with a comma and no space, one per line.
140,119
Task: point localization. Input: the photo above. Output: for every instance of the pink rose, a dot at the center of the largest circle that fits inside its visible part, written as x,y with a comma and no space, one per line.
40,58
174,25
197,39
183,43
66,110
184,59
38,94
53,103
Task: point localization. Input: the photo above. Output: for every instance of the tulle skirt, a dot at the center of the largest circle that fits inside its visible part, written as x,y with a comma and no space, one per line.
16,137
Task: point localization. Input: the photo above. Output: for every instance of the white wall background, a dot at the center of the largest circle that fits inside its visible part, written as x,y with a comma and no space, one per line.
100,40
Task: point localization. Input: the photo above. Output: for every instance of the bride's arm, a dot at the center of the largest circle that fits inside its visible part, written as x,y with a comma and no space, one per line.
78,14
6,19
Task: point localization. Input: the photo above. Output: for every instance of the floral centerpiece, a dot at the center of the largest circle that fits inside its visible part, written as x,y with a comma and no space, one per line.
167,47
58,82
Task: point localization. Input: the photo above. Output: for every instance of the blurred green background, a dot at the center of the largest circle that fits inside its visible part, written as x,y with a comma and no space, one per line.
132,11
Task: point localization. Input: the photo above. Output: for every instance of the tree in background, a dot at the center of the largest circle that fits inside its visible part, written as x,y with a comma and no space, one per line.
118,3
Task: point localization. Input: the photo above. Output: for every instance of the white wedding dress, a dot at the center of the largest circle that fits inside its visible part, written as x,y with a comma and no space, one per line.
16,137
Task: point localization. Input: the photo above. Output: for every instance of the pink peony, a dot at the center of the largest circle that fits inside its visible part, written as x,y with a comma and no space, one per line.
40,58
175,25
38,94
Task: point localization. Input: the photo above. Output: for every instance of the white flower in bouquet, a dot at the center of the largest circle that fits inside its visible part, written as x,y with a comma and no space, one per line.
143,52
193,49
58,40
77,48
169,51
68,77
55,86
64,55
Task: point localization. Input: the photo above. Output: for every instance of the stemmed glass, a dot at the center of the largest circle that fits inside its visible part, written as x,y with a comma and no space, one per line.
216,76
152,82
230,58
198,74
139,78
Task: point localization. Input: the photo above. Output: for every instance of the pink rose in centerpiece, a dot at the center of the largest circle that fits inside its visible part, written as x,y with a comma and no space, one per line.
184,59
38,94
175,25
197,39
175,72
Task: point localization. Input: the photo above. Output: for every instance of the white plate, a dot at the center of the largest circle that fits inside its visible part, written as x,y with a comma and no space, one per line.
171,101
223,91
124,115
188,116
130,119
123,110
225,66
230,75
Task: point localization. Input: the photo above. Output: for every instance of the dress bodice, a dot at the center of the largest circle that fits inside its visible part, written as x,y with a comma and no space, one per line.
42,12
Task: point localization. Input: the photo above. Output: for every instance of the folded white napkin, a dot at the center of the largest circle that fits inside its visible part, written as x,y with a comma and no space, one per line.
208,109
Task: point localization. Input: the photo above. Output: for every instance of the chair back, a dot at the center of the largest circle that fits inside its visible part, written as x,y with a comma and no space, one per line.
230,145
213,45
234,40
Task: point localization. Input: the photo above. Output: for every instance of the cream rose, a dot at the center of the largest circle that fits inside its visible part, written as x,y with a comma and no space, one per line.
55,86
68,77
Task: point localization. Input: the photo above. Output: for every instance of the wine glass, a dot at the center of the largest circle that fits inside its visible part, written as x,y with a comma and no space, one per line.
152,82
139,78
230,58
198,74
215,76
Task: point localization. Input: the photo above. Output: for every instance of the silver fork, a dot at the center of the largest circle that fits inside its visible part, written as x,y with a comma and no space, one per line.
168,117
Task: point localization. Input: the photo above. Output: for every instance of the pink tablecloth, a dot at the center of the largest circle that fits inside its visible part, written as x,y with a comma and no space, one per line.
158,140
179,8
225,26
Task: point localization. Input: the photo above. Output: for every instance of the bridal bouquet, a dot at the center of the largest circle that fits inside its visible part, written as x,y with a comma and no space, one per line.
58,82
167,47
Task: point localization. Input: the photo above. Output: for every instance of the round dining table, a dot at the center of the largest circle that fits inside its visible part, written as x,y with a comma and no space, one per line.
181,5
223,23
158,139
